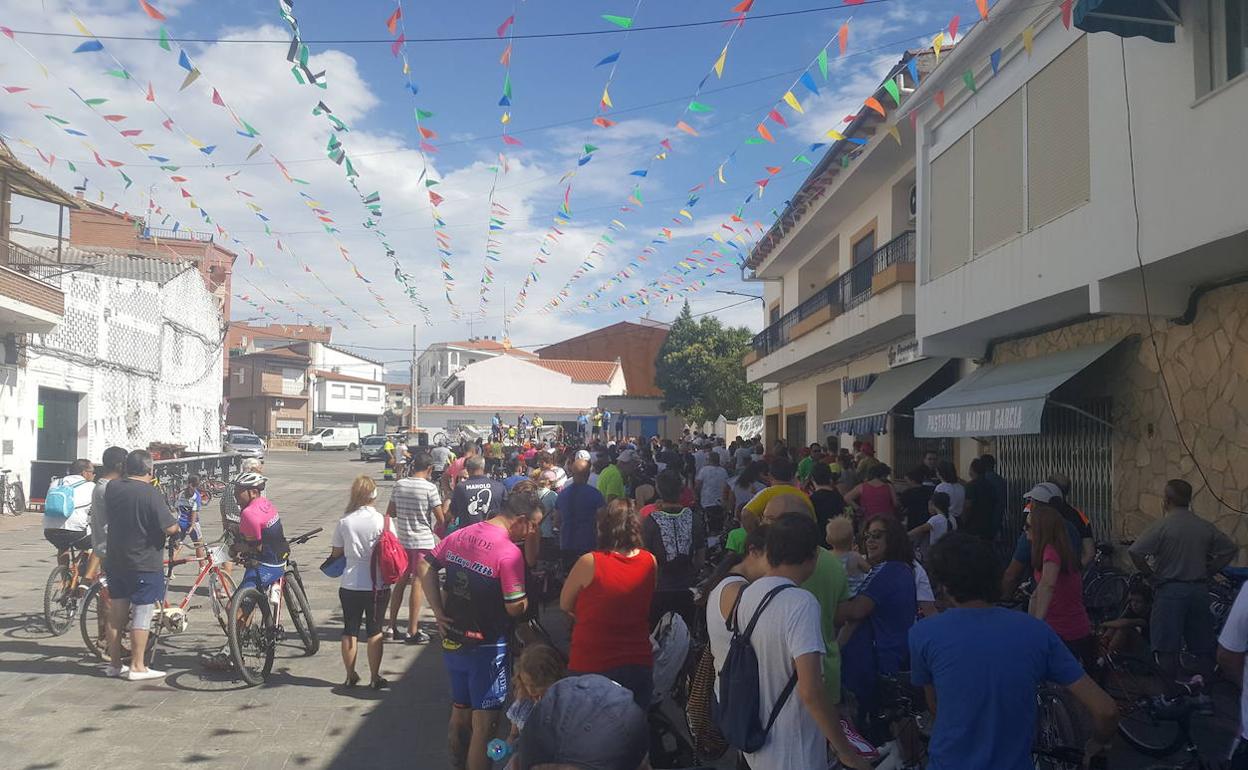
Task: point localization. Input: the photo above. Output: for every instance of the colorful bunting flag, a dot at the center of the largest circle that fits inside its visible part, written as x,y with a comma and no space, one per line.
893,90
953,27
609,59
822,59
874,104
392,22
623,22
994,59
982,6
151,11
842,37
89,46
1029,38
791,100
968,78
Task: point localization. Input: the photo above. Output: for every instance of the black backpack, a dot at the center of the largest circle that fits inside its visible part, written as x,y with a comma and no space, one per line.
736,709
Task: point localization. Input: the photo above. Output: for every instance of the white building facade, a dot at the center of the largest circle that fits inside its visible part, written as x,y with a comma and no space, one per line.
136,359
439,360
1083,238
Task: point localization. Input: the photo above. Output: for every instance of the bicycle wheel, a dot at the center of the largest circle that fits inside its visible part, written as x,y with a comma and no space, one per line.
59,603
301,615
1133,683
252,634
1057,730
220,590
1105,597
92,620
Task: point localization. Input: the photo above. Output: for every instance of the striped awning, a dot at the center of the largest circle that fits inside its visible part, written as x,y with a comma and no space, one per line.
870,411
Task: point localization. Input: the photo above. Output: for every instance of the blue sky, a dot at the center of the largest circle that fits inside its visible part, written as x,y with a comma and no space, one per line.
556,89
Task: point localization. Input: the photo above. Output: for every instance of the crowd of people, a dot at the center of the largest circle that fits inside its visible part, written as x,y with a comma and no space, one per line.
900,583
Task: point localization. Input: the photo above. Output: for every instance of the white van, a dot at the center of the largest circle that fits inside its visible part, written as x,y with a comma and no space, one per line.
330,438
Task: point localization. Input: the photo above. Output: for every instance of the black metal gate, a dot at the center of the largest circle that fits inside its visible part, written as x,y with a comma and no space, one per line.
908,451
1069,443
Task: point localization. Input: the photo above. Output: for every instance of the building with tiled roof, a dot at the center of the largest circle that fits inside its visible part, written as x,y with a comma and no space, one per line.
635,344
585,372
510,380
440,360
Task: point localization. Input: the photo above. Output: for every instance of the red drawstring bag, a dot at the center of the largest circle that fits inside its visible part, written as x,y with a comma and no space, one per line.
389,562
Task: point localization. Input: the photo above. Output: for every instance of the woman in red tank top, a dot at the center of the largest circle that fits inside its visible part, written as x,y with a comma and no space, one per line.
608,595
875,496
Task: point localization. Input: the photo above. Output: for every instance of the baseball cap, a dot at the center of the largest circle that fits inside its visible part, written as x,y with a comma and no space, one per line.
627,456
1043,492
582,454
588,722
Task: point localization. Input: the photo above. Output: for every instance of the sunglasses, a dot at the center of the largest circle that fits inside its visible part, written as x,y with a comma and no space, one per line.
875,534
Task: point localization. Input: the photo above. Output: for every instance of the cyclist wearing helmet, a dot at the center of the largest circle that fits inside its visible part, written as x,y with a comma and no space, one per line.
260,528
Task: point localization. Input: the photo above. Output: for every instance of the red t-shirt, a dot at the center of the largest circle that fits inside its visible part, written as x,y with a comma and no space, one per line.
613,614
1067,615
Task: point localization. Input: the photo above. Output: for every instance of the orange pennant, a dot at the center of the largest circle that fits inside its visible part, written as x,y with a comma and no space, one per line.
982,5
940,100
688,129
151,11
763,132
604,122
842,37
505,59
874,104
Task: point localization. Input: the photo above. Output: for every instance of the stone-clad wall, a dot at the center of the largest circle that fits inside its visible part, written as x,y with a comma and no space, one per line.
1206,367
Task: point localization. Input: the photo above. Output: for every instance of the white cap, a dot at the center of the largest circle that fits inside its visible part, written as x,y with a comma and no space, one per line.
1043,492
582,454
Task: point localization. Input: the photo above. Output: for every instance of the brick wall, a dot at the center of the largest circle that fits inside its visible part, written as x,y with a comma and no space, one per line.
636,346
31,291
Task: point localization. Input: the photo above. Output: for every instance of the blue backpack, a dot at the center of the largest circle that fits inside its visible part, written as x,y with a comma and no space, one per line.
59,502
736,709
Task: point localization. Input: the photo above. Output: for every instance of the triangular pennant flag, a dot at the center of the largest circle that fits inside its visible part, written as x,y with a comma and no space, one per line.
808,81
719,63
605,102
397,45
842,37
688,129
982,5
610,58
777,117
184,61
968,77
699,107
620,21
1067,7
151,95
164,39
605,123
938,42
190,78
1029,39
791,100
913,67
893,132
953,27
764,133
89,46
151,11
216,98
505,59
423,114
743,6
994,59
502,28
392,22
874,104
823,64
893,90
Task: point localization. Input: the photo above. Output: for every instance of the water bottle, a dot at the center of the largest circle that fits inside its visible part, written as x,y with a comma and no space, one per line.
498,749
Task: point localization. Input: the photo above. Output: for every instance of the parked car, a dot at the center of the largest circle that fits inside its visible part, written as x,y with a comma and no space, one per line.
246,445
372,448
330,438
235,430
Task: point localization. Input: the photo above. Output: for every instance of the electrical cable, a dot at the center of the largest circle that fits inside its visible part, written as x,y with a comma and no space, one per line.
461,38
1148,312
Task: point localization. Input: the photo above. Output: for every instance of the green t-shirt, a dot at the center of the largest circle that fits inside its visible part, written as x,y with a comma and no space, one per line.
830,587
805,467
611,483
736,540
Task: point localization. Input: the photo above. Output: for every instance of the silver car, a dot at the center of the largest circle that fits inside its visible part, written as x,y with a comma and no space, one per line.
245,445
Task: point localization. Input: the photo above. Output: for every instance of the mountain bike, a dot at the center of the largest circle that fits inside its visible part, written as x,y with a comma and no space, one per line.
93,622
169,618
254,630
60,594
1105,587
1148,722
12,495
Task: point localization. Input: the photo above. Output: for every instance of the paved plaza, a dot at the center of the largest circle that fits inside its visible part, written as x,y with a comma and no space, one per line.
60,711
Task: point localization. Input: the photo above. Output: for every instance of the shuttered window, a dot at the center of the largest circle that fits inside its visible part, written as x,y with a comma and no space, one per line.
998,174
950,215
1058,147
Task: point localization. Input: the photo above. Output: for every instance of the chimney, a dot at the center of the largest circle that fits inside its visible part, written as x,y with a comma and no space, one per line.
80,192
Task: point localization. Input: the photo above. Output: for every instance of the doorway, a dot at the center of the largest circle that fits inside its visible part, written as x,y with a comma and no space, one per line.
56,438
795,429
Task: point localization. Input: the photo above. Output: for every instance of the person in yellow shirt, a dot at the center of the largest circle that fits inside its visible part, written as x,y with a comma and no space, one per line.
782,483
391,459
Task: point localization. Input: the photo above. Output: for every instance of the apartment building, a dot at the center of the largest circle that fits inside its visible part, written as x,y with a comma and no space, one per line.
1083,242
838,358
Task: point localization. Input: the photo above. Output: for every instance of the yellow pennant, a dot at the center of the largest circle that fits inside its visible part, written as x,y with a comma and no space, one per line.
834,134
938,42
791,100
686,214
606,98
721,175
719,63
82,27
1029,39
893,132
506,118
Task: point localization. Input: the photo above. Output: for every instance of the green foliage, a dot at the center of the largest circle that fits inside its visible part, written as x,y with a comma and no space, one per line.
700,372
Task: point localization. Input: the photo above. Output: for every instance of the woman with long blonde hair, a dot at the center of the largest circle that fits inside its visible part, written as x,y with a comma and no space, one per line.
355,537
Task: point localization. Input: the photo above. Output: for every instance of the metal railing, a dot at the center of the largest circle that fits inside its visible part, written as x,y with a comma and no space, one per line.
36,265
153,233
848,290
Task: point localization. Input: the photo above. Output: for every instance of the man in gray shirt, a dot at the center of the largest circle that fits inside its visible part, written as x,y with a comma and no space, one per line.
114,462
1180,552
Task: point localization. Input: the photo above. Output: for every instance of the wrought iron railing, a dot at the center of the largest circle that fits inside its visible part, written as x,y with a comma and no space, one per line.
34,264
848,290
154,233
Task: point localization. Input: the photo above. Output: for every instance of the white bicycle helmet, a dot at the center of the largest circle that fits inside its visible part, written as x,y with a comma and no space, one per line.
250,480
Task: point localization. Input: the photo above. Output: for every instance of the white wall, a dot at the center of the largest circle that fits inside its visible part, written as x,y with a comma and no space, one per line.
1189,165
329,359
505,380
104,350
371,401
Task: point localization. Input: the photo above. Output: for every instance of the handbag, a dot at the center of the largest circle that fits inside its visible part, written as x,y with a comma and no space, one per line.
334,568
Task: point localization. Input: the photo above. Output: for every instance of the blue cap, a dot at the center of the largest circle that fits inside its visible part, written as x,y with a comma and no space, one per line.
588,722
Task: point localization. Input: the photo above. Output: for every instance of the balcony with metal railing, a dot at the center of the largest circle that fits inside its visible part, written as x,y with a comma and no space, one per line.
879,314
31,299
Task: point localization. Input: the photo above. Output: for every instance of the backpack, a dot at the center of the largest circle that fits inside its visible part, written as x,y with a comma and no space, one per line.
59,502
736,710
389,563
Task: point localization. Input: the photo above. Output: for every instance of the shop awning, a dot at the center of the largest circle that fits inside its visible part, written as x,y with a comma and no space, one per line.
1153,19
869,413
1003,399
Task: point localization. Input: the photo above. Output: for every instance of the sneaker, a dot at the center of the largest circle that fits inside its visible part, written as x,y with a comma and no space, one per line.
142,676
420,637
397,635
116,671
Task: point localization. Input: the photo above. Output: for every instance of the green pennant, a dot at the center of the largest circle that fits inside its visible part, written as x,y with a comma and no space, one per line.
118,74
507,85
754,140
94,102
699,107
823,63
623,22
71,165
164,39
431,182
968,77
802,159
57,120
607,238
250,130
423,114
590,148
170,168
893,91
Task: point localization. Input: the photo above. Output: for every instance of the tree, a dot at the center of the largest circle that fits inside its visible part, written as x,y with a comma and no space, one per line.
700,372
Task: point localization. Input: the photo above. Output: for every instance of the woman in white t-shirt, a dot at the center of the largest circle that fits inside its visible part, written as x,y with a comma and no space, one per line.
355,537
938,524
951,485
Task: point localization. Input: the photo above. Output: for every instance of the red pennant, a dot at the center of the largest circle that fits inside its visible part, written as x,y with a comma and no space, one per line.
15,89
502,28
511,140
168,124
185,194
147,8
605,123
435,199
397,45
115,163
393,21
743,6
776,116
216,98
132,132
114,118
940,100
151,95
98,159
953,27
1067,8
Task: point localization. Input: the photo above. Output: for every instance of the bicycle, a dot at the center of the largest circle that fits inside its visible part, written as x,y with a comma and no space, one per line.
60,594
253,628
1105,587
1148,722
12,495
171,619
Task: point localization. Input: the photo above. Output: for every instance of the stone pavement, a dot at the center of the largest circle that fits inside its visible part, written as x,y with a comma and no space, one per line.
59,711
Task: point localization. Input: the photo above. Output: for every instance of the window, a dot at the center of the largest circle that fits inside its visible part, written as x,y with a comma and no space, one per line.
773,314
1222,44
374,394
240,375
1058,146
949,196
290,427
863,248
357,393
998,175
337,391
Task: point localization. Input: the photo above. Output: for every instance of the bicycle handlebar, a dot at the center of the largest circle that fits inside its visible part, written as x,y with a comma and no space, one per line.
305,537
